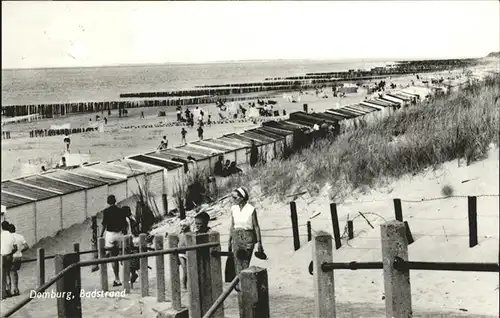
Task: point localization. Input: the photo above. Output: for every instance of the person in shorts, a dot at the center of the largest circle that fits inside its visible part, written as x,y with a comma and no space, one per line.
16,259
8,249
114,225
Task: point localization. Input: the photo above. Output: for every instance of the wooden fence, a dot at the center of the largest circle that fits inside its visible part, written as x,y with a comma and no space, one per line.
204,271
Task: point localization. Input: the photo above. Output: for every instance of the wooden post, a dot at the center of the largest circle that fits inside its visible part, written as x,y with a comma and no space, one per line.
335,224
69,283
94,242
254,296
40,266
409,236
398,211
309,231
472,203
396,282
350,229
127,244
143,266
295,226
76,248
324,290
160,270
175,280
216,273
104,267
199,276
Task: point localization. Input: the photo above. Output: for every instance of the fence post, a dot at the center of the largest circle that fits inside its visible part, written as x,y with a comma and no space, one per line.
104,267
160,270
398,211
396,282
175,280
199,280
165,203
350,230
324,289
40,265
94,242
335,224
127,244
143,266
472,203
76,248
254,295
69,283
216,274
295,225
409,236
309,231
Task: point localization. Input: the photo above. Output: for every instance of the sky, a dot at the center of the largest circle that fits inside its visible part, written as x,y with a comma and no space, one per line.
74,34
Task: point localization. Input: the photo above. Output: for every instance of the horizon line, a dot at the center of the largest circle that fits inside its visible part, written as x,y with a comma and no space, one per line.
373,59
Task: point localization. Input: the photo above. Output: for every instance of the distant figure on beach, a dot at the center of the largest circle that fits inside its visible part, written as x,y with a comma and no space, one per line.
114,224
200,132
62,164
67,141
142,114
43,169
254,154
183,136
179,114
163,143
209,120
22,246
244,231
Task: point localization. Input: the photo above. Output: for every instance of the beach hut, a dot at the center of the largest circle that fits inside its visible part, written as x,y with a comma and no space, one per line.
201,158
95,192
173,171
393,98
154,177
267,145
230,151
280,141
21,212
43,219
73,201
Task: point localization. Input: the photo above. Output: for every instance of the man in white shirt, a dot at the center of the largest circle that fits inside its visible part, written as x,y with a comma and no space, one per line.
8,248
16,260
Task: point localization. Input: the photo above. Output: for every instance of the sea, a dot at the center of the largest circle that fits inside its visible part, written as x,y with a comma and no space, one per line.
80,84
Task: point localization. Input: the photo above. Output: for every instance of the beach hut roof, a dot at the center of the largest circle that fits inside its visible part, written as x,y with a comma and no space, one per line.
344,112
67,176
281,125
274,130
197,154
272,134
11,201
176,153
221,146
299,123
373,105
329,118
258,136
237,138
337,113
236,142
113,168
315,118
96,175
208,151
355,110
394,101
398,97
247,139
27,191
50,184
160,162
129,164
381,102
363,108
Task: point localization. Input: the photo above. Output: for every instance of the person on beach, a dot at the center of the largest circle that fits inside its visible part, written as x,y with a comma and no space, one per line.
8,249
163,143
244,231
254,154
184,228
200,132
219,167
16,260
114,224
233,169
225,169
183,135
67,141
209,120
201,220
105,121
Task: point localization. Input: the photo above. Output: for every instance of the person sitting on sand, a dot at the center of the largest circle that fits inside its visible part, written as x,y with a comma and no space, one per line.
163,143
233,169
225,169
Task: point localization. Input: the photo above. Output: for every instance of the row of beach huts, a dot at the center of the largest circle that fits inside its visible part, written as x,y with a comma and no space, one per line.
43,204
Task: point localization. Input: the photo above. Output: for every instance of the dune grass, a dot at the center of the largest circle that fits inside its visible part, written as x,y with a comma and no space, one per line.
460,125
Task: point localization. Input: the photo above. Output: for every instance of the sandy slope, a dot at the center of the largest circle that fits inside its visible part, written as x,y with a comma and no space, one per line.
358,293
